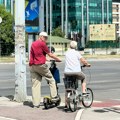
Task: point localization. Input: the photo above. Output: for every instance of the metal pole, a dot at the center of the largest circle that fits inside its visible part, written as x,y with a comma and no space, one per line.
107,11
102,11
62,15
47,16
12,6
30,40
5,3
41,15
0,46
119,42
0,37
20,57
87,20
50,22
13,13
66,18
82,39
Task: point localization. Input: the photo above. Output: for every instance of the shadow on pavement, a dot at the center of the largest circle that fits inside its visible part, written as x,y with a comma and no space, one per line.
63,109
114,109
101,110
28,103
10,97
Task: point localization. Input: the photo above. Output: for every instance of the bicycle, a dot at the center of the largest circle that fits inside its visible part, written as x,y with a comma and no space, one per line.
73,97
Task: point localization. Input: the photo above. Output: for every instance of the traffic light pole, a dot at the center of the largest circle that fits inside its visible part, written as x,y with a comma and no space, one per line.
41,15
83,34
0,37
50,23
66,18
20,57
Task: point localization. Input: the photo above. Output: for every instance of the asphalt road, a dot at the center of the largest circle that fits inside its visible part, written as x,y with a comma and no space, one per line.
103,77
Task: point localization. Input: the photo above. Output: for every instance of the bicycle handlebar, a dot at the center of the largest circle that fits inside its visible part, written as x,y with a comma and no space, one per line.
85,65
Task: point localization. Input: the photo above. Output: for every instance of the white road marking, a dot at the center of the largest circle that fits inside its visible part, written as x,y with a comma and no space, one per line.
4,118
97,101
79,113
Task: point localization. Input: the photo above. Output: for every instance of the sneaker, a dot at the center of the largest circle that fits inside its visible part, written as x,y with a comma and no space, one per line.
55,99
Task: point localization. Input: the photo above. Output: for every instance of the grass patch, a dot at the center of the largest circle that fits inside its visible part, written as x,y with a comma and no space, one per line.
7,59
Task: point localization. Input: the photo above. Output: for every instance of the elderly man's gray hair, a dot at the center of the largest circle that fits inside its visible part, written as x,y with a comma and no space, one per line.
73,44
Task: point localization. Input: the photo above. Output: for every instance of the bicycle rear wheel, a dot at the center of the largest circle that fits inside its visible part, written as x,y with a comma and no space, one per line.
88,99
72,102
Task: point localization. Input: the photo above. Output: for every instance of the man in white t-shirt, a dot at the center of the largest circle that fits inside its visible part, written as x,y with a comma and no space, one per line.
73,60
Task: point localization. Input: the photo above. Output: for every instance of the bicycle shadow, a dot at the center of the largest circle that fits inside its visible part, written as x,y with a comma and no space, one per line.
62,108
112,109
10,97
101,110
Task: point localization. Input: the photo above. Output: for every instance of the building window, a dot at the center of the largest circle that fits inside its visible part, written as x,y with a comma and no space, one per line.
1,1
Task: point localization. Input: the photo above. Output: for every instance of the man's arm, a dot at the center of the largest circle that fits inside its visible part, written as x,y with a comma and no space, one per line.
84,61
54,57
31,57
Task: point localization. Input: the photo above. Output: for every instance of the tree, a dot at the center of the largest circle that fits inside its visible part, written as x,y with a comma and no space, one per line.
6,32
58,32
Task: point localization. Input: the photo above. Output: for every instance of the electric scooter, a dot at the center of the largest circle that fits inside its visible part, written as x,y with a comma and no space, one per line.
47,101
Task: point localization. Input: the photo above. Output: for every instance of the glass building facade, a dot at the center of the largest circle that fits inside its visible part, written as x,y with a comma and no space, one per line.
95,11
75,16
75,12
116,16
79,14
7,4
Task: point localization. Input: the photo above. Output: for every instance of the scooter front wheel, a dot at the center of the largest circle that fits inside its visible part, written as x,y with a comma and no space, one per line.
58,102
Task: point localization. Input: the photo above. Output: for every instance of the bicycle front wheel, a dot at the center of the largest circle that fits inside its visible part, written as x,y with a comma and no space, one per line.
88,99
72,102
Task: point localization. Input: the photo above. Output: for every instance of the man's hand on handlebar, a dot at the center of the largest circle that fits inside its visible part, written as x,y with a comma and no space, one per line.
55,60
58,60
54,57
87,65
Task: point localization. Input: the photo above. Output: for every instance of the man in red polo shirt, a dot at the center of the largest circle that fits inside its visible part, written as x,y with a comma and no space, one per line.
39,68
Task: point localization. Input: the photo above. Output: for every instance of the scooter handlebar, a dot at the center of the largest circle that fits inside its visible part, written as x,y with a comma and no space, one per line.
55,61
